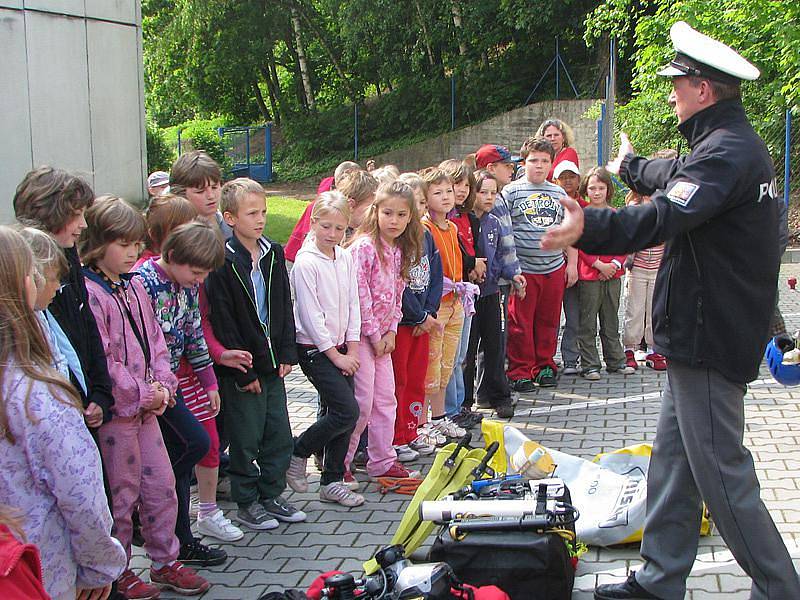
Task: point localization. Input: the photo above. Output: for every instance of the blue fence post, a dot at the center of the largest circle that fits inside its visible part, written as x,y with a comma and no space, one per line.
787,158
558,58
268,150
247,145
179,143
452,102
600,125
355,132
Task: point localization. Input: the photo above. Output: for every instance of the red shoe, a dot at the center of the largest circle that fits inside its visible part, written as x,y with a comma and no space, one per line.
630,359
180,579
656,361
133,588
350,482
397,471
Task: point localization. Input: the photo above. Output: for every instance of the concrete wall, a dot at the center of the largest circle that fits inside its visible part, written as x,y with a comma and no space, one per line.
509,129
72,94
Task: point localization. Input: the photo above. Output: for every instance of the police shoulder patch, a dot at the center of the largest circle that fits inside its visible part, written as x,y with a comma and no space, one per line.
682,192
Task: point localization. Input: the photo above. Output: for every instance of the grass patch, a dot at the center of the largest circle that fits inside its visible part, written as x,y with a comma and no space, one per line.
282,215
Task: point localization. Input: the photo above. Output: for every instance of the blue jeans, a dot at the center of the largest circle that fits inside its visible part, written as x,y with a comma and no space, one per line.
454,394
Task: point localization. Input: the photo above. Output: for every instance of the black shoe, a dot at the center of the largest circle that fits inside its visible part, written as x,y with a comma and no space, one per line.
522,385
546,378
627,590
200,555
137,539
504,411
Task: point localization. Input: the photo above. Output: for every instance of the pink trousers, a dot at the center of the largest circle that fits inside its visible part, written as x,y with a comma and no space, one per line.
139,471
374,391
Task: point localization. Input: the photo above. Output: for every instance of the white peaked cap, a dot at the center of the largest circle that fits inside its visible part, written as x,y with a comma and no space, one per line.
718,61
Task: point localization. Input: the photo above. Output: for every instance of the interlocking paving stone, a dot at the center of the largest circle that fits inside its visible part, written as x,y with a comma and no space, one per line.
578,417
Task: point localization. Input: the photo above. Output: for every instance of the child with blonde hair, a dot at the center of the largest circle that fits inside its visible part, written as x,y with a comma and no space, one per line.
443,345
251,311
50,267
143,386
49,465
328,323
384,249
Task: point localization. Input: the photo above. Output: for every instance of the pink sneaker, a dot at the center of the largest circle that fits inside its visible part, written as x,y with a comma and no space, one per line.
630,359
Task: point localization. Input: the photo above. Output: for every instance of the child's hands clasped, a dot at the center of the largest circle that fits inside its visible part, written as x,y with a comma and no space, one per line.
428,325
160,401
607,270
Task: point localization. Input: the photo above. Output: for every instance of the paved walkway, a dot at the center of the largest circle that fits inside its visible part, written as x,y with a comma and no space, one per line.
578,417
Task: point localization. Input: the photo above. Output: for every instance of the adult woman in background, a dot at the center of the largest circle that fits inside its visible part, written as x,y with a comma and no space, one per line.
560,135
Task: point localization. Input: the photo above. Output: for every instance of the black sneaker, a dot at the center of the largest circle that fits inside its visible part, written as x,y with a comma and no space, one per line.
505,411
522,385
546,378
360,459
627,590
200,555
278,508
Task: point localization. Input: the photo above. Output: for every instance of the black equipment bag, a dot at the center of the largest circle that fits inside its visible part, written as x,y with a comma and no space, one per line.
526,565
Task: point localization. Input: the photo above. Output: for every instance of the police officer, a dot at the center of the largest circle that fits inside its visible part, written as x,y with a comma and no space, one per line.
717,211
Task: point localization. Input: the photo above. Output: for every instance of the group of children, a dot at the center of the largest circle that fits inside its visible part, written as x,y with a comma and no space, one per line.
395,308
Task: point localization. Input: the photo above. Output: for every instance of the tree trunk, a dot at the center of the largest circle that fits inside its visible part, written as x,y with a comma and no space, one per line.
262,106
456,11
297,7
301,58
270,75
297,79
425,37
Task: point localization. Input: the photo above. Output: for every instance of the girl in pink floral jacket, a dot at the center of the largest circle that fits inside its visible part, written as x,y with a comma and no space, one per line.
136,460
384,248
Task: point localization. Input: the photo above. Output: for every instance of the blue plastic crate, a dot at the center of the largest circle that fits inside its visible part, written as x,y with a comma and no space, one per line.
784,374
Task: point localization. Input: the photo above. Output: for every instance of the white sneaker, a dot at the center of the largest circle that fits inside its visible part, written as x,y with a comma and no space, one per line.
338,492
406,453
624,370
296,477
422,446
216,525
570,369
194,506
431,436
449,429
640,355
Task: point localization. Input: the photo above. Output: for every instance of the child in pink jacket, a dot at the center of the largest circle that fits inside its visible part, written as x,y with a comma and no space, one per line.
383,250
136,460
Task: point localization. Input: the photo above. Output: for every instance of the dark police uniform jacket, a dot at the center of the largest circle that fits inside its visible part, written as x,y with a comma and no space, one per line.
717,210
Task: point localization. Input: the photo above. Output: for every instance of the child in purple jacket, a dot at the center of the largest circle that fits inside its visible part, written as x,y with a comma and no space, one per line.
139,469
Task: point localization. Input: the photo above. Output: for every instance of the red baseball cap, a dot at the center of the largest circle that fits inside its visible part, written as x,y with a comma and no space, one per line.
492,153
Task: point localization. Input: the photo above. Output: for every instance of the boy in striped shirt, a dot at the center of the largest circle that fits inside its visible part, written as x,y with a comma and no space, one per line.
534,320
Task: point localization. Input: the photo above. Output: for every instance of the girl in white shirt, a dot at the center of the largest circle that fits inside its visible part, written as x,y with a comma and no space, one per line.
328,322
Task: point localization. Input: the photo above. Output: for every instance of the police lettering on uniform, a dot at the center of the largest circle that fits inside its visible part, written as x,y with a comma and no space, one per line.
716,209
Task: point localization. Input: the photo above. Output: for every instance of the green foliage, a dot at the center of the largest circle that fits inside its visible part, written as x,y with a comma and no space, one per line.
241,59
765,32
159,155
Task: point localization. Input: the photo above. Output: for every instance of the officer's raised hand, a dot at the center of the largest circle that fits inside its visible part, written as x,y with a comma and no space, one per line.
625,148
570,230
